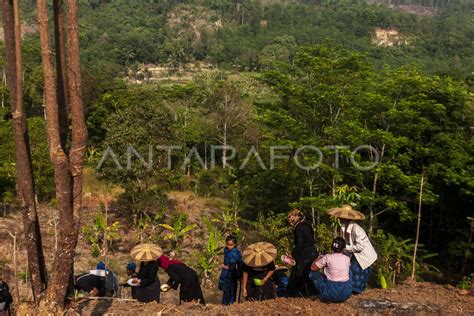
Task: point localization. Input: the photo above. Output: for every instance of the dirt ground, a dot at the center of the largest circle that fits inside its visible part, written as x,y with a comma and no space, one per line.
408,299
411,298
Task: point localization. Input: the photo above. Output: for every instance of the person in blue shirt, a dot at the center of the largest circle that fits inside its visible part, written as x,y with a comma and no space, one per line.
231,271
281,281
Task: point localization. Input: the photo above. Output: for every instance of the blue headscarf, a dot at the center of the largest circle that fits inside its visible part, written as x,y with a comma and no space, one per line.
131,266
100,266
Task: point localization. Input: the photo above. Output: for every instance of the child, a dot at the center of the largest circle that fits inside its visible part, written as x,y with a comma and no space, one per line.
231,271
335,284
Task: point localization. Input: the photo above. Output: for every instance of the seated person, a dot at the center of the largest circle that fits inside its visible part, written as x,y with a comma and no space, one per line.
335,284
92,282
281,281
5,298
131,273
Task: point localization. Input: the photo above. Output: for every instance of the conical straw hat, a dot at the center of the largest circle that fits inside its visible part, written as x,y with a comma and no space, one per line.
346,212
259,254
146,252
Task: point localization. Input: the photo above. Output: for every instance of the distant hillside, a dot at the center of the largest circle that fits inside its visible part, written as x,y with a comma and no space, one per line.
119,35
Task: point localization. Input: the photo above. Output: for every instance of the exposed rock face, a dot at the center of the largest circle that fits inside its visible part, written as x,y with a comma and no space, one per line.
25,30
388,37
416,9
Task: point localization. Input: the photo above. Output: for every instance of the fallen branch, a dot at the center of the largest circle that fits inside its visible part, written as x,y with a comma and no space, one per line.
102,299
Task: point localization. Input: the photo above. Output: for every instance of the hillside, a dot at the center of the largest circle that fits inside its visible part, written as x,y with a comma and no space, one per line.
210,118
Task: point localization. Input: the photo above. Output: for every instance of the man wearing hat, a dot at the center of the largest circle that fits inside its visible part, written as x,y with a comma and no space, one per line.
258,269
358,244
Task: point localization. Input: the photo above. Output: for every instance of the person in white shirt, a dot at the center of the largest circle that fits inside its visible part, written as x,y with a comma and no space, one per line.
358,244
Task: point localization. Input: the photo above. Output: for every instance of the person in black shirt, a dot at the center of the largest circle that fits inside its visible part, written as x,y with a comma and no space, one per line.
258,269
90,283
147,283
183,277
5,298
253,292
304,253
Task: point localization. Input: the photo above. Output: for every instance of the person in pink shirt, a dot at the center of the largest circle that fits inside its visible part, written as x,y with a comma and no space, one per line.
334,285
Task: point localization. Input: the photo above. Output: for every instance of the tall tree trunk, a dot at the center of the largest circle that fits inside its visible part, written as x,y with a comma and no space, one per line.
418,224
78,123
25,184
372,216
62,262
62,86
224,150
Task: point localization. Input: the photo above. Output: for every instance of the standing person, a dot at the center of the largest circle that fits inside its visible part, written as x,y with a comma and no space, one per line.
230,271
146,281
183,277
358,244
6,298
335,284
304,253
258,269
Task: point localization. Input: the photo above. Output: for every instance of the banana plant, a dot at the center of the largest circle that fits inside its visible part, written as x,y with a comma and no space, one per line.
178,229
209,259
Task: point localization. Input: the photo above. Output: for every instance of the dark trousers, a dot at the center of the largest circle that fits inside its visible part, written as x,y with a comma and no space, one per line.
230,293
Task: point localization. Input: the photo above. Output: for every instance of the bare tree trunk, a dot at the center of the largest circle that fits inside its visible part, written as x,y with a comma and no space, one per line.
224,150
15,268
314,213
372,216
413,267
62,266
78,124
106,244
62,86
25,184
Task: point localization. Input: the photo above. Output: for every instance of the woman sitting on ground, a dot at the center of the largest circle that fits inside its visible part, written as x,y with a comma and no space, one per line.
258,269
183,277
335,284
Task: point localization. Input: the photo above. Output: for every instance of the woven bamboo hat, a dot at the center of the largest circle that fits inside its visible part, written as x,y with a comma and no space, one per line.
259,254
146,252
346,212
